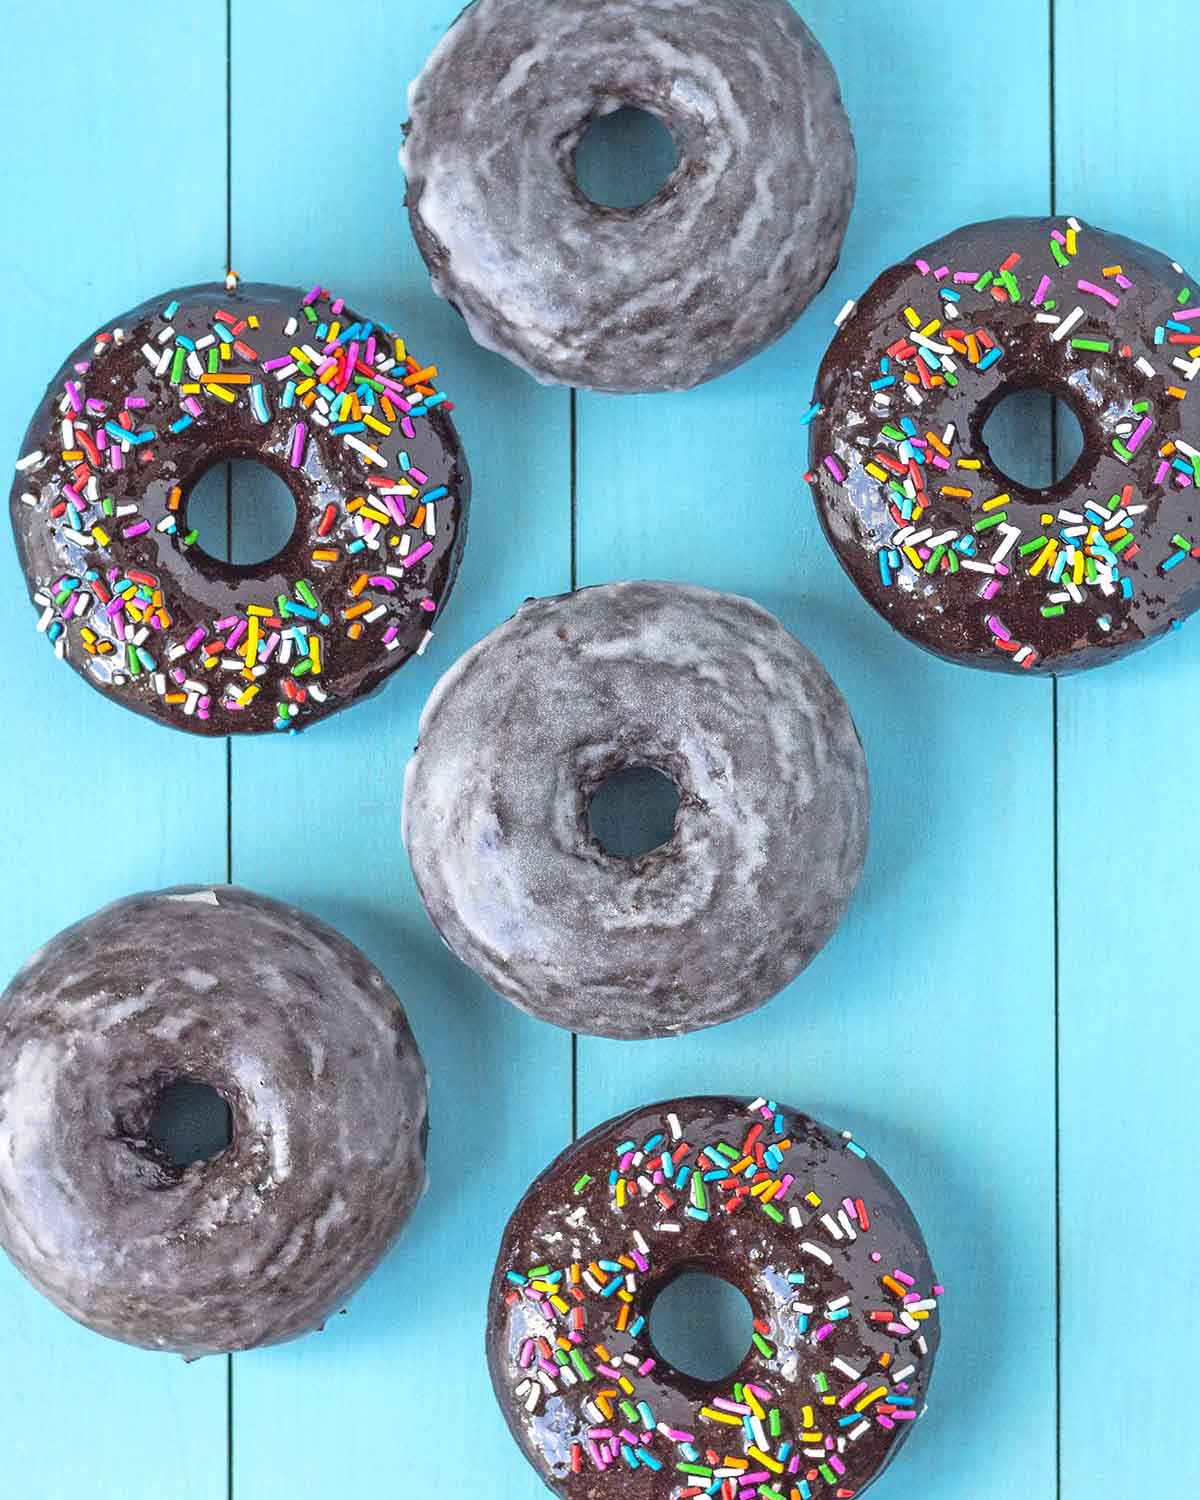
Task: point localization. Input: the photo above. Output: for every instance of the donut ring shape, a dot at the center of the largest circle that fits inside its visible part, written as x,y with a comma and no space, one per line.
715,267
950,551
809,1229
311,1051
331,403
768,842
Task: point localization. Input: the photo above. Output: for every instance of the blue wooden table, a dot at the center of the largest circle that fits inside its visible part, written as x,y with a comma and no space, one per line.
1008,1015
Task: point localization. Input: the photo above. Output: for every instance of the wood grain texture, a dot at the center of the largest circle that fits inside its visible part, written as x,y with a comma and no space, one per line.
906,1029
936,1024
318,821
1130,1028
100,214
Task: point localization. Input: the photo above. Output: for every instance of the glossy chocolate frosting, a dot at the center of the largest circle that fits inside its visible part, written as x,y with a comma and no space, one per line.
948,549
661,297
310,1050
800,1220
381,501
768,842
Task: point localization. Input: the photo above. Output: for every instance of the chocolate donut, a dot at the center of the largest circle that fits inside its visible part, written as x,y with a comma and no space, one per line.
716,266
333,404
814,1235
949,550
311,1052
768,840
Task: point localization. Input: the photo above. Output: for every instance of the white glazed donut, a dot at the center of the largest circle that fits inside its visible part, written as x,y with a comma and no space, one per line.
768,841
662,297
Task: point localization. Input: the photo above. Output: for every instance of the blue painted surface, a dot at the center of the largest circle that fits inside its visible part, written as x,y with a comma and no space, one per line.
1007,1016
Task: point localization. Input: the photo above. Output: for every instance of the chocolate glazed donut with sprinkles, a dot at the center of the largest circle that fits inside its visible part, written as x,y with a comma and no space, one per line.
949,550
798,1218
335,405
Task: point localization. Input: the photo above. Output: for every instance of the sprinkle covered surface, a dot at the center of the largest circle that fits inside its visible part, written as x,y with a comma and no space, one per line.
800,1219
946,546
340,408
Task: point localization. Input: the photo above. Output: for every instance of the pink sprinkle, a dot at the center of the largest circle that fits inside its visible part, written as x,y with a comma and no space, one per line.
419,475
1100,291
677,1436
645,1367
852,1394
904,1277
1186,314
997,627
139,528
192,406
73,396
1057,234
428,605
923,266
939,462
394,505
1164,469
277,364
903,1416
299,433
1043,287
941,273
336,307
312,296
939,1291
990,589
962,277
71,605
1139,434
526,1356
876,1257
381,582
83,367
1124,282
836,1464
133,403
115,457
407,428
235,635
835,469
415,557
823,1333
885,1422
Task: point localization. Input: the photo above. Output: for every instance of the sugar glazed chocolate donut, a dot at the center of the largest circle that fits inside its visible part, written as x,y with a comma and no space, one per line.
768,841
310,1050
661,297
339,409
948,549
801,1221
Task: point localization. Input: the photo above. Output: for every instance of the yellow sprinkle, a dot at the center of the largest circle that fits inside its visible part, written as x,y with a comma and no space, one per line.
996,502
248,695
101,535
305,386
1047,519
560,1305
876,473
376,425
765,1459
813,1198
931,328
870,1398
1072,242
220,392
806,1416
252,320
620,1180
911,318
720,1416
73,455
1174,390
626,1385
970,463
1045,556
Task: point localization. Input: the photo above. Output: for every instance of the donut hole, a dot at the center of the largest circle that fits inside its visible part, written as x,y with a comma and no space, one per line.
701,1325
633,811
1033,437
240,511
191,1122
625,158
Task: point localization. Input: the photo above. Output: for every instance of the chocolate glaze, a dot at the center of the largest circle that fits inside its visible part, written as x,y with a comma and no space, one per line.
200,590
311,1051
559,1224
945,613
768,842
661,297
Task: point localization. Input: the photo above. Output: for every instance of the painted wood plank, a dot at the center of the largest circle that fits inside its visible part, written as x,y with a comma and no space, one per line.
104,207
1130,1028
316,820
927,1024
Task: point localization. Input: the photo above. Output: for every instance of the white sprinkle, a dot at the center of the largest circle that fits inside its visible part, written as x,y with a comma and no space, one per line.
1145,366
1047,318
1066,325
31,460
672,1119
816,1250
845,1367
425,640
845,312
976,567
899,1376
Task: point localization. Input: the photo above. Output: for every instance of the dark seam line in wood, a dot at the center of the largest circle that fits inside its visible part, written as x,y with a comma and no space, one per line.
229,553
574,491
1054,720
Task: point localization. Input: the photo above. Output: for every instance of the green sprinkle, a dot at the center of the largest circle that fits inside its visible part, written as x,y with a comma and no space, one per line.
1096,346
821,1383
1035,545
1051,611
774,1424
764,1348
935,561
189,540
304,589
177,366
1121,450
302,666
1009,282
581,1365
214,361
772,1212
989,521
827,1474
582,1183
539,1271
1141,407
984,282
1126,541
1059,256
768,1493
1184,297
1182,542
894,433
